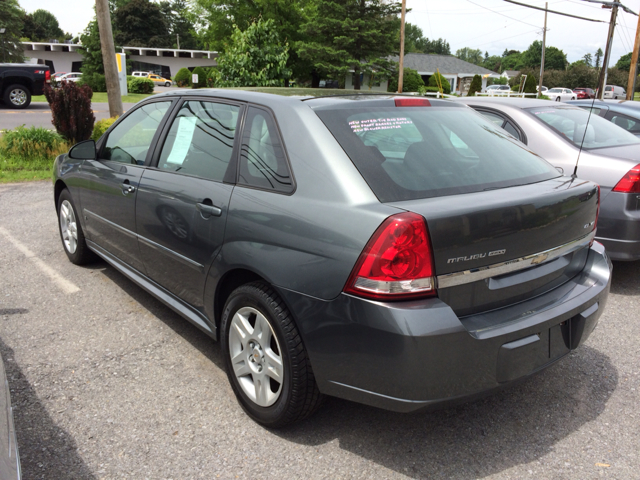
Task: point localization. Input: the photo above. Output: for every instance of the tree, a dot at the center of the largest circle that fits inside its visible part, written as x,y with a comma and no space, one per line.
42,26
554,58
11,19
599,55
588,59
178,18
254,58
475,87
439,47
414,41
530,84
343,36
411,81
140,23
493,63
624,63
91,50
470,55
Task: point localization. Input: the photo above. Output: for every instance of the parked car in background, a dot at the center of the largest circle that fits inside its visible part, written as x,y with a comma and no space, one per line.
390,250
158,80
624,113
70,77
584,93
610,156
140,74
57,75
614,92
20,81
498,89
560,94
543,89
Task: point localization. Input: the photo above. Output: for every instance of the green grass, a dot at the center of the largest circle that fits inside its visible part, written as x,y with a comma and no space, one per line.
27,154
101,97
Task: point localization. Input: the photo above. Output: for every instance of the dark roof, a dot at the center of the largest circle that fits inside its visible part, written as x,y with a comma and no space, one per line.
447,64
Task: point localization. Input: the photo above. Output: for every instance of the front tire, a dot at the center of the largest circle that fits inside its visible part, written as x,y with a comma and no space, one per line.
168,84
17,96
71,232
557,99
266,362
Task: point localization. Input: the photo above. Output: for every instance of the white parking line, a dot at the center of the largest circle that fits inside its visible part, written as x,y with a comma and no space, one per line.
65,285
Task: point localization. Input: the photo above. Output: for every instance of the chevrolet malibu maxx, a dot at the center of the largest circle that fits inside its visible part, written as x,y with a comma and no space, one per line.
394,251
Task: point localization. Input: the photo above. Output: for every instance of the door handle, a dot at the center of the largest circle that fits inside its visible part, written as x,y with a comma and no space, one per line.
127,188
205,209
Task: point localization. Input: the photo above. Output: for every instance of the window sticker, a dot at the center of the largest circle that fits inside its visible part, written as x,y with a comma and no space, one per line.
374,124
186,127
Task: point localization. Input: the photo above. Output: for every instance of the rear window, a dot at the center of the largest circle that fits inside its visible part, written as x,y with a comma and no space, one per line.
575,125
423,152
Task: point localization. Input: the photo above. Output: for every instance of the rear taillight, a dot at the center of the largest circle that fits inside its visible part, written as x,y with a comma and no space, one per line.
630,183
412,102
396,263
47,76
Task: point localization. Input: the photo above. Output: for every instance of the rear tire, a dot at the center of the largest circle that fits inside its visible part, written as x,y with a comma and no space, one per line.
71,233
557,99
267,364
17,96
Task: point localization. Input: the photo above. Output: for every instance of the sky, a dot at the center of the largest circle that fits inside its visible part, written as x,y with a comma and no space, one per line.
489,25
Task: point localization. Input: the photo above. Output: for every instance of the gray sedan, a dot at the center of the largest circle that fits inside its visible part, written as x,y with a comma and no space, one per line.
624,113
610,156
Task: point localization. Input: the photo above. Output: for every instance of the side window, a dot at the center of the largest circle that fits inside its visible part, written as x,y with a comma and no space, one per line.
200,141
493,118
512,130
262,160
629,124
130,140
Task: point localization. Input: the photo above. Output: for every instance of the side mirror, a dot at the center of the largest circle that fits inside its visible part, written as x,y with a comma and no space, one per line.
85,150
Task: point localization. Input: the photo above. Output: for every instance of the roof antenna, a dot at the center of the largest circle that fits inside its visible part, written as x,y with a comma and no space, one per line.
574,175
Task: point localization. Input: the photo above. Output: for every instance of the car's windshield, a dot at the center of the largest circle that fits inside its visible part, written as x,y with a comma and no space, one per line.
421,152
575,125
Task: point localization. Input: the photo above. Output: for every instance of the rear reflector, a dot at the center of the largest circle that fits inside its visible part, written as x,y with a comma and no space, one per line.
412,102
396,263
630,183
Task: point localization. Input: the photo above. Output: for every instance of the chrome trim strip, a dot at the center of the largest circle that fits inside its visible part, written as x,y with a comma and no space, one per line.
480,273
111,224
181,258
152,244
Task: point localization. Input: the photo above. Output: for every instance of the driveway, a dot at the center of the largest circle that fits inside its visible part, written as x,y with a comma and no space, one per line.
107,382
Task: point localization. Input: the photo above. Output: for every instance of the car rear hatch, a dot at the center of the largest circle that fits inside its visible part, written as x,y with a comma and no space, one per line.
496,248
504,225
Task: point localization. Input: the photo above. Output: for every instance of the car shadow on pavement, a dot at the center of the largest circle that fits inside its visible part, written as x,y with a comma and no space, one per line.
516,426
46,450
625,278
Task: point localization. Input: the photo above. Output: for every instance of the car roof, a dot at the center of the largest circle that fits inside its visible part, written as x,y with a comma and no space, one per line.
616,105
520,103
283,95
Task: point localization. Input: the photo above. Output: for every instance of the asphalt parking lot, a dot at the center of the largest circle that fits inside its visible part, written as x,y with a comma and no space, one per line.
106,382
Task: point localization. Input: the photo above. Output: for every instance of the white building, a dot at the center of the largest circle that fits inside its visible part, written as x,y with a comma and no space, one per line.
64,57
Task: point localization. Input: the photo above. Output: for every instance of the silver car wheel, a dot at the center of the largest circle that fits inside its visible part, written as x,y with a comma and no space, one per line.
256,357
18,97
68,227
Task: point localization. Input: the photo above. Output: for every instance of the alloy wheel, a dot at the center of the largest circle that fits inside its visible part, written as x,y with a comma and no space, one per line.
256,357
68,227
18,97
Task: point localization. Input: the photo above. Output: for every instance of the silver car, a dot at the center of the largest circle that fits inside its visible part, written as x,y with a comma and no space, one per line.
610,156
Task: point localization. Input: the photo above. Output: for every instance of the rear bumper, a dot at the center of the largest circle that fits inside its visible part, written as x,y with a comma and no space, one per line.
619,225
407,356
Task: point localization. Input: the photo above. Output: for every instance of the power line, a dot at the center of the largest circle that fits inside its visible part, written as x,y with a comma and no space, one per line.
519,35
511,18
554,11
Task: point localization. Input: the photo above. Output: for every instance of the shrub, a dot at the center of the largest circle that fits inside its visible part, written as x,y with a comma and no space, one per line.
139,85
33,142
71,110
95,81
475,87
212,77
530,84
102,126
411,81
202,77
433,82
183,78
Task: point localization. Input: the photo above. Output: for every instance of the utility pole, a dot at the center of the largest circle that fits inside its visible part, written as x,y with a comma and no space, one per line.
544,47
633,71
607,52
401,67
109,58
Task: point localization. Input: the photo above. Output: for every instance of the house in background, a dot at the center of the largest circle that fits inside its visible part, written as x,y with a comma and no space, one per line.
458,72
